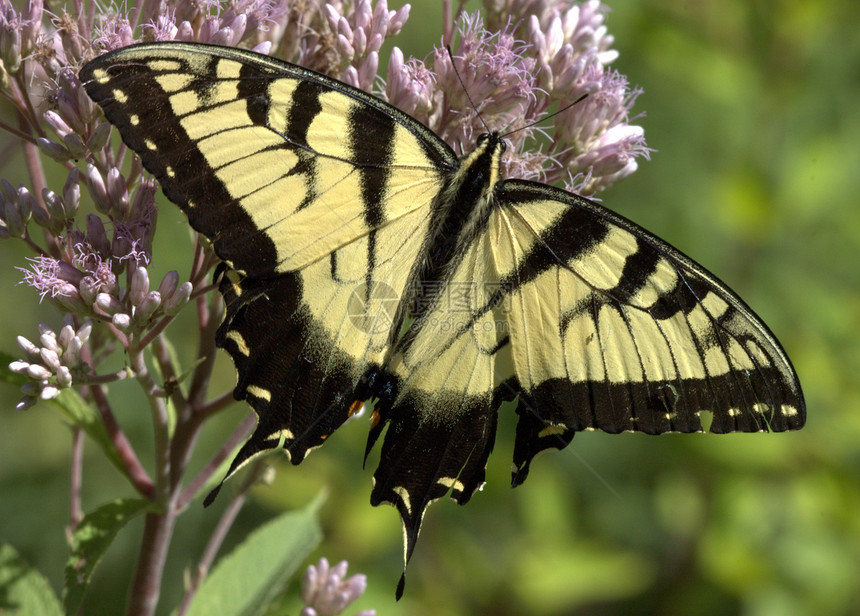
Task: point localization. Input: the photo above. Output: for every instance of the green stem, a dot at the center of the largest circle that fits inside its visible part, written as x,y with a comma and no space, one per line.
218,535
133,468
158,528
157,532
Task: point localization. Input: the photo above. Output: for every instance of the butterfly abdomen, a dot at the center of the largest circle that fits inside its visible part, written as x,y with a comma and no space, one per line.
460,216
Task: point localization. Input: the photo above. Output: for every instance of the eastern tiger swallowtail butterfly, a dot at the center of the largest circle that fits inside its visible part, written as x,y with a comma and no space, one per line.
363,260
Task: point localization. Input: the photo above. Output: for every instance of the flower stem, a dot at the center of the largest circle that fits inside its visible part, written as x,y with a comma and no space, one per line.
157,531
76,514
158,528
218,535
133,468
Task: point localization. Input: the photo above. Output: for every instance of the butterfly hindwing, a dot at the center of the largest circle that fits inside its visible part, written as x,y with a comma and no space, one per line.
301,340
633,335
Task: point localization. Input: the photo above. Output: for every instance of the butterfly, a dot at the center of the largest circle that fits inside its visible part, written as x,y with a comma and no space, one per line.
364,262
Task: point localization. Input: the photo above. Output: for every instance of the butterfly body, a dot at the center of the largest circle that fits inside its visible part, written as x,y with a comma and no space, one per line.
364,261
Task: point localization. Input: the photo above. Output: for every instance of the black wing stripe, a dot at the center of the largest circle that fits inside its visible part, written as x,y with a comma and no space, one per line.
172,152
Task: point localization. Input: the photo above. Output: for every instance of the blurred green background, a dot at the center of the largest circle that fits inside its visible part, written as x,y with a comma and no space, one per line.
752,108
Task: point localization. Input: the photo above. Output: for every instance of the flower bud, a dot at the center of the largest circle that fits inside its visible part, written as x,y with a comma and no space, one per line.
147,307
68,110
51,359
31,23
208,30
263,48
65,336
53,150
49,392
135,172
97,189
139,285
19,367
121,321
55,208
238,26
25,403
99,138
57,123
117,193
31,351
97,236
14,223
174,303
26,203
108,303
185,32
48,339
72,355
345,48
224,36
76,146
10,40
84,331
72,193
38,372
168,283
64,377
8,191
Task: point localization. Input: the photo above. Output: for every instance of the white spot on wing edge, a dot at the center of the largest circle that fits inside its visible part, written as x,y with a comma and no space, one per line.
451,482
283,433
552,429
787,410
239,341
101,76
259,392
403,493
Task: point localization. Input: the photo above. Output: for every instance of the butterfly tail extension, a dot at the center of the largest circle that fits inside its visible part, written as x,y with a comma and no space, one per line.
428,453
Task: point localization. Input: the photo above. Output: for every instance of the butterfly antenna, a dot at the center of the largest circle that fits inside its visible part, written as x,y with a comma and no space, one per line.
465,89
599,477
562,110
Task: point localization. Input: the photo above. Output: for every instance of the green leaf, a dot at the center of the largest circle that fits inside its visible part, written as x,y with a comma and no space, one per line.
91,539
82,414
254,573
75,409
23,590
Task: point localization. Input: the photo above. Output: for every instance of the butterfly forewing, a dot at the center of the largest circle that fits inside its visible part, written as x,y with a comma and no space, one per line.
229,133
